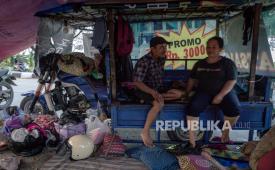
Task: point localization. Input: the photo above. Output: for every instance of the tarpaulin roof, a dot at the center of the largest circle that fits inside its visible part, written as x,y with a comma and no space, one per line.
18,25
150,10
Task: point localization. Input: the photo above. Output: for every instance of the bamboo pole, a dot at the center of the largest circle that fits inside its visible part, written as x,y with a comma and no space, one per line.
254,50
218,27
111,27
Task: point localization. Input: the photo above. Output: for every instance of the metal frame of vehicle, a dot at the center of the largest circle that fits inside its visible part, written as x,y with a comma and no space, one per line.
134,115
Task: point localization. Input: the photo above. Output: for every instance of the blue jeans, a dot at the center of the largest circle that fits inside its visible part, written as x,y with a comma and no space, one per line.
154,158
230,104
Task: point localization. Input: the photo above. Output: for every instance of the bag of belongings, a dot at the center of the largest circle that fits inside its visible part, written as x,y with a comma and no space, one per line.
112,145
76,64
46,122
96,129
15,122
28,141
70,129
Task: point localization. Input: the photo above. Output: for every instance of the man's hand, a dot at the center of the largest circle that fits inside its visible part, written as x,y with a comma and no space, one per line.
217,99
173,94
157,96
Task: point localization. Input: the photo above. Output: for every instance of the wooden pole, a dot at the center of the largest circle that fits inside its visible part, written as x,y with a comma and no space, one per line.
111,28
218,27
254,50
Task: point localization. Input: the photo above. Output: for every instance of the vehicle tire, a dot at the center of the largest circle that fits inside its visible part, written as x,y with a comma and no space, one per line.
183,136
26,103
7,94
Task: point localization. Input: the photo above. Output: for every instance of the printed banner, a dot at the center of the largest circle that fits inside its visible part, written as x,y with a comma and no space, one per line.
186,45
241,54
187,40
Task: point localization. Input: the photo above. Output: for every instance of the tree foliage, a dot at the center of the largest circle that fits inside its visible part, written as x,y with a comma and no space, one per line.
26,56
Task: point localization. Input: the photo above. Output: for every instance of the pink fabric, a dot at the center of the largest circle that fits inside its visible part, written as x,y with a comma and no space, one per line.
18,25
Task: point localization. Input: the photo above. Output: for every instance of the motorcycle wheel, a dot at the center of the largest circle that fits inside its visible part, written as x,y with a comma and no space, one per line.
183,136
26,103
6,96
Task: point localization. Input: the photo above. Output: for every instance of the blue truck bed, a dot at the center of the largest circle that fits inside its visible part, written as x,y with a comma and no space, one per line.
254,116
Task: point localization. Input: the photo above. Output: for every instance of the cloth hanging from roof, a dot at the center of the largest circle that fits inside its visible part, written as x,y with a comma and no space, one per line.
89,50
100,36
52,37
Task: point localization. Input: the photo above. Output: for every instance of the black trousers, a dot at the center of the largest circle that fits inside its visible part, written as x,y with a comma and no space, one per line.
230,104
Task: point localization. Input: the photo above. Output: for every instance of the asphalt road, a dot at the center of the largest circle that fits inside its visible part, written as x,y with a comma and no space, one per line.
23,86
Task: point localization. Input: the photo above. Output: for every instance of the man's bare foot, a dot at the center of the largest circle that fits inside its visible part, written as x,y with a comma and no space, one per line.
225,136
147,140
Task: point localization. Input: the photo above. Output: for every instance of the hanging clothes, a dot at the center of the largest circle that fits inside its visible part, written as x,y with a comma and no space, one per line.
100,36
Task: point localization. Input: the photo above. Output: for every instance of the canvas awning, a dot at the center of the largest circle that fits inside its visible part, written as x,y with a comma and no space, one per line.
18,25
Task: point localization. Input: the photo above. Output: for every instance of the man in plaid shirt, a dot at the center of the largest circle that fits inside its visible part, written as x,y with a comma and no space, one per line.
147,78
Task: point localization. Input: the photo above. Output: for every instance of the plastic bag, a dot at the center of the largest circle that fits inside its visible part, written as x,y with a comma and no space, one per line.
97,135
69,130
96,129
11,123
93,122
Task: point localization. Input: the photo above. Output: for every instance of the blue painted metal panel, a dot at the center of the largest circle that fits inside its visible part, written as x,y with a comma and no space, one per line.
253,115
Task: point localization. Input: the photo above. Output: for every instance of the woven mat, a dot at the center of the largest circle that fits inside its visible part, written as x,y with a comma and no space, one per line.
98,163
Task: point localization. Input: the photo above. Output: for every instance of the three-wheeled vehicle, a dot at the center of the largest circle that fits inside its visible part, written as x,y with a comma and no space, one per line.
186,25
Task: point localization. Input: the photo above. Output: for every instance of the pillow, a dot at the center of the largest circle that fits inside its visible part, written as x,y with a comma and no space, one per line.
112,145
195,162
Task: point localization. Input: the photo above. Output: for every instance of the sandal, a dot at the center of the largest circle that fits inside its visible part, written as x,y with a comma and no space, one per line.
3,145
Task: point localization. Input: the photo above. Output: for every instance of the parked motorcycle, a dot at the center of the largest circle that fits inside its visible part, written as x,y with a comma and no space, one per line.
69,93
61,97
40,106
6,91
20,66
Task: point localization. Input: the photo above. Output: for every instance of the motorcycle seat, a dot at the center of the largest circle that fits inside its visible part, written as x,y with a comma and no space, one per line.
3,72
